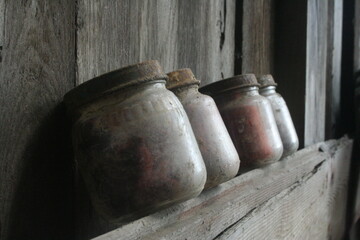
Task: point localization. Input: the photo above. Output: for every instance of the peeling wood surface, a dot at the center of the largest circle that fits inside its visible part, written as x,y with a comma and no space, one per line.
178,33
273,199
37,68
316,54
255,42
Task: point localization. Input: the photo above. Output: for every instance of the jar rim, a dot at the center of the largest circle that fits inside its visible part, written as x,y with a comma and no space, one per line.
112,81
228,84
266,80
181,78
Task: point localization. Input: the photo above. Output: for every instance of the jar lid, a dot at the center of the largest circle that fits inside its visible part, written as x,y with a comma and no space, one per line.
238,81
266,80
112,81
180,78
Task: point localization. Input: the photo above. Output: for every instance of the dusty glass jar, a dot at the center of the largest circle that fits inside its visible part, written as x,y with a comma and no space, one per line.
133,143
218,151
282,115
249,119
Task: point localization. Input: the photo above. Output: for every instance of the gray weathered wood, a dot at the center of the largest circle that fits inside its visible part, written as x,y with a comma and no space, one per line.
312,208
316,53
195,34
37,68
333,68
2,18
303,177
256,41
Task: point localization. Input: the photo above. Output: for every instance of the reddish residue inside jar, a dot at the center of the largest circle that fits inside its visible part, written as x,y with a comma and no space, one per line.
248,132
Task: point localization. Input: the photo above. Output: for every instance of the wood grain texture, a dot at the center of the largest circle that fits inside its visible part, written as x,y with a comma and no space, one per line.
2,18
333,68
316,53
279,192
312,208
257,33
178,33
37,68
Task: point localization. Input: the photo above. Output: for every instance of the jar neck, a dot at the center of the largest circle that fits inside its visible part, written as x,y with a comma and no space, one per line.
186,90
268,90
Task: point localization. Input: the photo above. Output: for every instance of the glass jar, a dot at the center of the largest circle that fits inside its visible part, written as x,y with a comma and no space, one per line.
218,151
281,112
249,119
133,142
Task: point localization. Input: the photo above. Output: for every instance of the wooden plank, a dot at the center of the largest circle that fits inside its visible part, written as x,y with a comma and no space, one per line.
292,214
333,68
338,189
2,18
312,208
316,50
195,34
37,68
255,33
255,201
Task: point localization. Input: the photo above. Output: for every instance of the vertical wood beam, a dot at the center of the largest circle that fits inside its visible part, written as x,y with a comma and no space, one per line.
333,68
2,18
36,70
254,36
316,53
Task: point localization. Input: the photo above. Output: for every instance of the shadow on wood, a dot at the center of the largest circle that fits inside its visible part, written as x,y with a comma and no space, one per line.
42,206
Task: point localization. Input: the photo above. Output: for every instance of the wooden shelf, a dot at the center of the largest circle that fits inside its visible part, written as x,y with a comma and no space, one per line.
302,195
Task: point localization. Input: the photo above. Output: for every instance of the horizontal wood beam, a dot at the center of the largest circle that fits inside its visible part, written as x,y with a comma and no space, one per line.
227,209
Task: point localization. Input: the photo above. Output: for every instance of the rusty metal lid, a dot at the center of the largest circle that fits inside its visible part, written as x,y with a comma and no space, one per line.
238,81
266,80
115,80
180,78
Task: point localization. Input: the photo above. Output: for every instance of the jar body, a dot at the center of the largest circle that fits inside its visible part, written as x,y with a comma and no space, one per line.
220,156
283,120
249,119
130,150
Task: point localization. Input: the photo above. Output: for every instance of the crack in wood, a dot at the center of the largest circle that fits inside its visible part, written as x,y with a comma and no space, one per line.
222,26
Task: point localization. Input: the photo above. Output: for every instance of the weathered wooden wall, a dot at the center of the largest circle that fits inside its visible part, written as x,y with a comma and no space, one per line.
333,68
48,47
2,18
36,69
300,197
254,36
316,53
179,33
